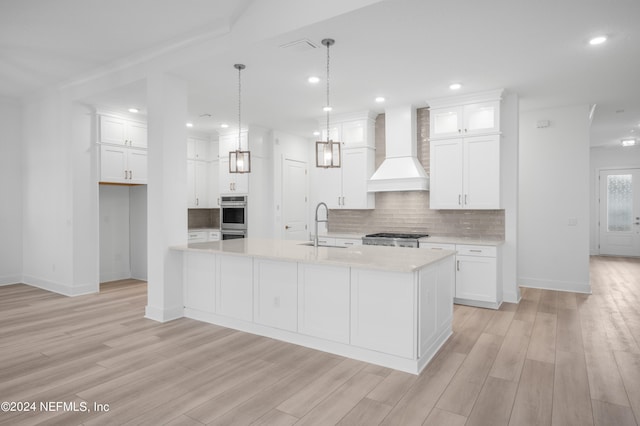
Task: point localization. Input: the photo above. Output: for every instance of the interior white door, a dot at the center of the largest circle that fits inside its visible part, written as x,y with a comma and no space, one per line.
294,200
620,212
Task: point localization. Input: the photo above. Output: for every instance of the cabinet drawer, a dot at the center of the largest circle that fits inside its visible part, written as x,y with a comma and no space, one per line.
348,242
483,251
214,236
437,246
197,236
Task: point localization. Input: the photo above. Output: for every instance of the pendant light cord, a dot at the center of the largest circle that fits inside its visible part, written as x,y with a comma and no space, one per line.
328,104
239,109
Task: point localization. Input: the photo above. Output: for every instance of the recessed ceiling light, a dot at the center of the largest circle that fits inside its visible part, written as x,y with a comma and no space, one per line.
455,86
327,109
189,124
316,133
134,110
313,79
380,99
598,40
628,142
224,125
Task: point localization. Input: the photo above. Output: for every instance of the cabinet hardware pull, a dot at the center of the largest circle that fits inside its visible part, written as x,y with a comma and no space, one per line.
347,243
197,201
465,199
459,130
125,174
457,265
286,227
459,199
130,174
465,130
476,251
436,248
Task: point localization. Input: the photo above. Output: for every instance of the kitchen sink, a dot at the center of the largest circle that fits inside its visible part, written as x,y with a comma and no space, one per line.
310,244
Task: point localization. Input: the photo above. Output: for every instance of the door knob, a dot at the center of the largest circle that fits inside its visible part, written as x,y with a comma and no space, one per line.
286,227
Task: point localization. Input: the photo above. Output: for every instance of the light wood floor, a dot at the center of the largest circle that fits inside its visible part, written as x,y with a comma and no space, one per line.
554,359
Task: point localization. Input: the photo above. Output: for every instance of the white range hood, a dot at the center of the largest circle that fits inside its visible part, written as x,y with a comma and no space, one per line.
400,170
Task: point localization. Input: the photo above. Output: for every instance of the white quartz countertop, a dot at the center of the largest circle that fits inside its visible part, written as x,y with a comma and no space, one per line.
397,259
460,240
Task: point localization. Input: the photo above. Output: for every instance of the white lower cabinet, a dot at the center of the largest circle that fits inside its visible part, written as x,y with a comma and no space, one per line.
234,287
383,312
200,274
275,290
477,274
323,302
477,282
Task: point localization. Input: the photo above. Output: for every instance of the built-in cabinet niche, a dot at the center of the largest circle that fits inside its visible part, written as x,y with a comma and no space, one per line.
123,232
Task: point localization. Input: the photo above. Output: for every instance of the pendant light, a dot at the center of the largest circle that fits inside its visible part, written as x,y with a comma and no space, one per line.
328,152
239,160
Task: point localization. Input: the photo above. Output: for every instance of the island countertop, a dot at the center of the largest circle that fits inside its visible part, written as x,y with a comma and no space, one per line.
398,259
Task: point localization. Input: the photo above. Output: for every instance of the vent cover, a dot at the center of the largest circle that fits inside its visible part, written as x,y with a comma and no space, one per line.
301,45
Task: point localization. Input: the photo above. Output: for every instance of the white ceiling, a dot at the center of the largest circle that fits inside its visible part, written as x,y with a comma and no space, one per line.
406,50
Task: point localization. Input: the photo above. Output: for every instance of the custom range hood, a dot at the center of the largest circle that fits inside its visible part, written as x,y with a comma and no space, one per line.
400,170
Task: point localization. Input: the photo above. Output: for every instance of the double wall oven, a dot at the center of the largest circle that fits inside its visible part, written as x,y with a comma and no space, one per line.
233,217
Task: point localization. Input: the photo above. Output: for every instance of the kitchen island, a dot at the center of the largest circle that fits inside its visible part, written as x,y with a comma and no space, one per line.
384,305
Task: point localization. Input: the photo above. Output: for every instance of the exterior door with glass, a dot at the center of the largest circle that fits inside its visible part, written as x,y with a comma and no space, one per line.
620,212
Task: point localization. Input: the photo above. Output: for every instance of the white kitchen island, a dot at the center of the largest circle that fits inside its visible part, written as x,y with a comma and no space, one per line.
384,305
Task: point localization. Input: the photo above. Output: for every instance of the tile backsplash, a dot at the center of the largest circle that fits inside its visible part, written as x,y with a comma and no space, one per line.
409,211
204,218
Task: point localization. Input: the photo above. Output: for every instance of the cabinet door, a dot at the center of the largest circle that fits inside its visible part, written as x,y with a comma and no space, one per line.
276,294
335,132
323,302
137,165
229,142
214,186
383,312
482,172
327,186
191,184
241,180
113,164
481,117
446,174
112,130
354,133
347,242
446,122
202,184
234,287
136,134
200,278
357,168
476,278
224,177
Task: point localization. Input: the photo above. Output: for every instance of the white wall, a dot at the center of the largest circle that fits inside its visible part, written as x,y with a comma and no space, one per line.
114,233
11,192
554,192
138,231
123,232
606,158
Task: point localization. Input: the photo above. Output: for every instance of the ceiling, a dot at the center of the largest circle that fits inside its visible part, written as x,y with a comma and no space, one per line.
405,50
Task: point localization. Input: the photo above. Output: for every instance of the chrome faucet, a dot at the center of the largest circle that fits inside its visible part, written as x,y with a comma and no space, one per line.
315,241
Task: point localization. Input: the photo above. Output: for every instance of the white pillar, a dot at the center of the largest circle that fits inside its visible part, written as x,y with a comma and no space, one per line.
166,194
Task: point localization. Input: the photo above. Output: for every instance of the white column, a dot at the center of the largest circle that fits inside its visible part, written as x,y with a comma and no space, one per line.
166,194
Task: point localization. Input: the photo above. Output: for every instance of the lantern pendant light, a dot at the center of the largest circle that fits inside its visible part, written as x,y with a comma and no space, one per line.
239,160
328,152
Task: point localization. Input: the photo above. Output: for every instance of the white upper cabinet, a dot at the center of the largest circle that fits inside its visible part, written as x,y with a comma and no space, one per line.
473,119
120,131
473,114
465,152
465,173
346,187
123,165
199,149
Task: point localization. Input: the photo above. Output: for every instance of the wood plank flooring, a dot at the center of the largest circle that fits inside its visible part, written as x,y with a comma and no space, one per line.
554,359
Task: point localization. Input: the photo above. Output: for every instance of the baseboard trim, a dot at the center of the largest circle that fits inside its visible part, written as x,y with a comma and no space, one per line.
64,289
163,315
10,279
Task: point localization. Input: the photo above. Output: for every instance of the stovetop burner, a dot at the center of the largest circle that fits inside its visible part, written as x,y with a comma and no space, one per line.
396,235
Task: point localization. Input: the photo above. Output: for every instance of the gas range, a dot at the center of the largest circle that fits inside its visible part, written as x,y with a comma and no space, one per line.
393,239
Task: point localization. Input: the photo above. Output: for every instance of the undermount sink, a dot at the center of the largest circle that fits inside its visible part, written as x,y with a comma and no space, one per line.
310,244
